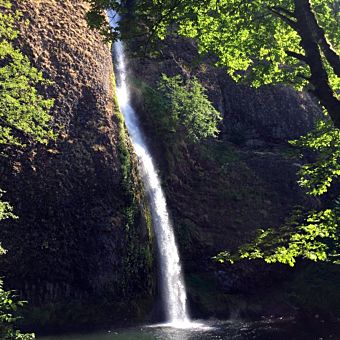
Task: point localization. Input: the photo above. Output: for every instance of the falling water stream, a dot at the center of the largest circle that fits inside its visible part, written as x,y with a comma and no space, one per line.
172,283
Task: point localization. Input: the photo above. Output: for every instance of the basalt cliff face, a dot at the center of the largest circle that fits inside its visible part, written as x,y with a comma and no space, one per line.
83,237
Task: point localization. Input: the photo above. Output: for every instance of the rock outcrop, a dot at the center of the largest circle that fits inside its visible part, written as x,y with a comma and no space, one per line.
83,235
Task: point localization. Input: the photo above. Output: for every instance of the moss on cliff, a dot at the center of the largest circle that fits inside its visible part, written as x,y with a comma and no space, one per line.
139,255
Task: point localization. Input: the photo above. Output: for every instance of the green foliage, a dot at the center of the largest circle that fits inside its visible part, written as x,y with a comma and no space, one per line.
8,307
23,111
6,210
255,41
314,236
317,177
183,110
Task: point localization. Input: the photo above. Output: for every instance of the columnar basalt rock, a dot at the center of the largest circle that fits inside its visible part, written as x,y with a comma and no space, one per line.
84,230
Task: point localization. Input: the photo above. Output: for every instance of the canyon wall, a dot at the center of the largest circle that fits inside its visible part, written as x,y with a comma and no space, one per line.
83,237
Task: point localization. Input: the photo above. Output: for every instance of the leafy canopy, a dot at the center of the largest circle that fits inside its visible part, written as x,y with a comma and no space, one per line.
245,36
314,236
8,307
251,38
324,141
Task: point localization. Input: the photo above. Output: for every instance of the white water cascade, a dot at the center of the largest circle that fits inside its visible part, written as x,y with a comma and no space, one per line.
172,283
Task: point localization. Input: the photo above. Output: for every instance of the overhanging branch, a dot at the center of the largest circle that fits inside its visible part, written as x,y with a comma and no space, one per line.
296,55
283,17
284,11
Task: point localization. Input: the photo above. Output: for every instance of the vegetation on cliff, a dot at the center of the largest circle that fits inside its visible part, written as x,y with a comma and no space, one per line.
24,115
182,110
138,254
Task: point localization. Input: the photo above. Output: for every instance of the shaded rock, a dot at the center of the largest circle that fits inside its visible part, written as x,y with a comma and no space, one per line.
74,239
271,114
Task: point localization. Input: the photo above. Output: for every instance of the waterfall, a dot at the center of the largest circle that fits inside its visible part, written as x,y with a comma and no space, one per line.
172,284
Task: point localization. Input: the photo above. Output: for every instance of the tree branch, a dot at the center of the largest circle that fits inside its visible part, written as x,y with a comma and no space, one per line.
296,55
286,19
158,22
284,11
319,33
300,75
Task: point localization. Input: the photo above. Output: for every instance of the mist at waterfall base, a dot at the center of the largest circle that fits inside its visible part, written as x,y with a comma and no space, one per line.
266,329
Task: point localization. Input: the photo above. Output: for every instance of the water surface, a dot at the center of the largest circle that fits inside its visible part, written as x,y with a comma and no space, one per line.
278,329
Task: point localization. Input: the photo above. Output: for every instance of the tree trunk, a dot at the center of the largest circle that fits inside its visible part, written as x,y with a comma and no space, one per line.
319,77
